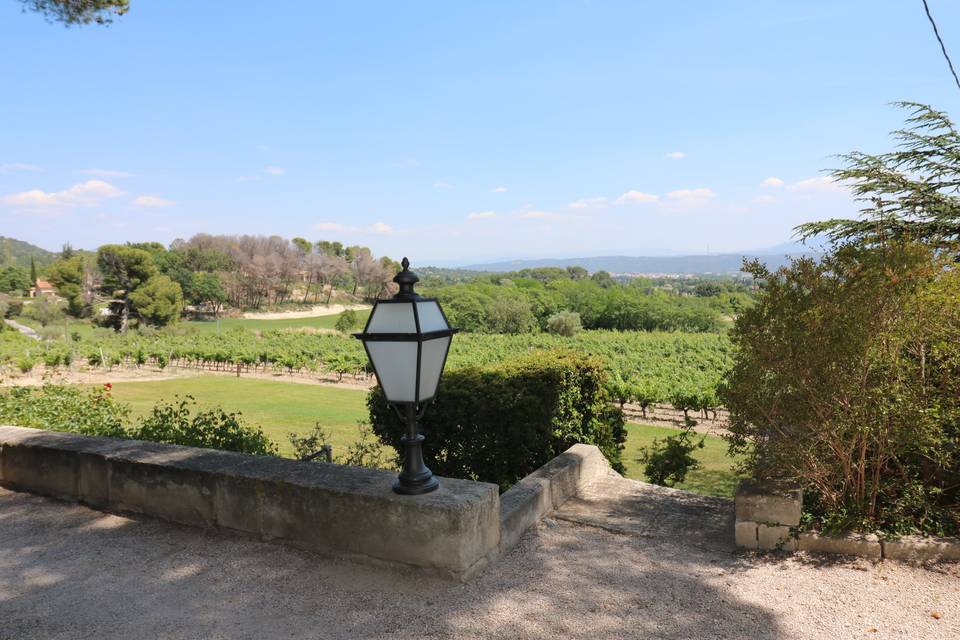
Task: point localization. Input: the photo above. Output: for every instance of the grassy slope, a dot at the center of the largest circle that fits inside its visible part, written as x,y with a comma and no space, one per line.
319,322
284,407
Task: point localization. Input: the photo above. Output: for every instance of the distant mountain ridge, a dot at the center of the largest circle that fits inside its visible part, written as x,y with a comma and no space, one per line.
707,264
18,253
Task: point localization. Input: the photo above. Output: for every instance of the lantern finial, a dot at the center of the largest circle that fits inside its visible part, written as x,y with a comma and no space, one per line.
406,279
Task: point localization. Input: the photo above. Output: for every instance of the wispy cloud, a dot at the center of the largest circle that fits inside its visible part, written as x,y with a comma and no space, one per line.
676,155
152,201
481,215
18,166
274,171
597,202
772,182
540,215
499,189
105,173
379,228
442,184
700,194
818,184
636,197
765,199
85,194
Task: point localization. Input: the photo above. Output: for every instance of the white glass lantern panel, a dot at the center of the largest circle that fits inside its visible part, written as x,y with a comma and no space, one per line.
431,319
432,357
396,367
392,317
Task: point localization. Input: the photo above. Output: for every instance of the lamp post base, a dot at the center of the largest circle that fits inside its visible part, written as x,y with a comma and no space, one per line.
409,488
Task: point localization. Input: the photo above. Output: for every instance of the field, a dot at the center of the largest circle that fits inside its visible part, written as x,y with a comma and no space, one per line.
281,408
225,324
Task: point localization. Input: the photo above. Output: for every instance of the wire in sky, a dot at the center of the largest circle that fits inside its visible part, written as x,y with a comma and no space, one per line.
940,40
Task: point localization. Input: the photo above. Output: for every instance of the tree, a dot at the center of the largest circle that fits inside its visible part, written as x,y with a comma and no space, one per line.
69,276
564,323
124,270
14,279
909,193
158,301
206,289
78,12
33,272
43,310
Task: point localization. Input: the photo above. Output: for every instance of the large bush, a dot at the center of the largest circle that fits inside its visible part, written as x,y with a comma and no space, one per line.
847,380
498,423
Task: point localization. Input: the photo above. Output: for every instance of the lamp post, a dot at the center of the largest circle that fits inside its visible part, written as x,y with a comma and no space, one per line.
407,339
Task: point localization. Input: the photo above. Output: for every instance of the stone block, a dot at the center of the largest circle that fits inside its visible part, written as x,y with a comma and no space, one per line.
919,548
768,502
775,537
852,544
745,534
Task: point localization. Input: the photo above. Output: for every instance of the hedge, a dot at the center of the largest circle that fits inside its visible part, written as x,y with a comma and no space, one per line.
497,423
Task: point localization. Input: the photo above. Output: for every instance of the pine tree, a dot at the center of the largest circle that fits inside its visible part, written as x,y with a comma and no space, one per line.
33,272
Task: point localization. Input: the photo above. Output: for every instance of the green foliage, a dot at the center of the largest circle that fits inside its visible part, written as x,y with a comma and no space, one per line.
667,462
307,445
158,301
847,379
43,310
367,451
909,193
68,277
183,422
14,280
78,12
347,321
564,323
64,408
500,422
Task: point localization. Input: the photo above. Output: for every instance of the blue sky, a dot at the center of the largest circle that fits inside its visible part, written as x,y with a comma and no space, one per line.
455,131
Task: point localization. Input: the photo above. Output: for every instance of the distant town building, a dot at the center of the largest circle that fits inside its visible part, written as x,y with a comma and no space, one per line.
42,288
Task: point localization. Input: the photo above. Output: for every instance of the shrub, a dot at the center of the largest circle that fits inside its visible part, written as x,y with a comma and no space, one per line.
308,445
347,321
847,380
367,452
182,422
564,323
500,422
667,462
91,412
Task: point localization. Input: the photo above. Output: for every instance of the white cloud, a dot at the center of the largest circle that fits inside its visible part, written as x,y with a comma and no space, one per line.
635,197
274,171
152,201
481,215
700,194
105,173
772,182
818,184
84,194
442,184
676,155
597,202
499,189
381,228
18,166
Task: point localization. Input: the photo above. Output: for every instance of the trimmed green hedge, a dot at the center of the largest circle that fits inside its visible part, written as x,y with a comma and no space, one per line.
498,423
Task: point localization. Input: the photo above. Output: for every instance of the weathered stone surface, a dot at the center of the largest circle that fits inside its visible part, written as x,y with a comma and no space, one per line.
866,546
547,489
745,534
769,503
331,508
918,548
775,537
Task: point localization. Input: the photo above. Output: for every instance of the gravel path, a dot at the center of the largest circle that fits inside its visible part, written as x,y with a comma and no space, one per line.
22,328
69,572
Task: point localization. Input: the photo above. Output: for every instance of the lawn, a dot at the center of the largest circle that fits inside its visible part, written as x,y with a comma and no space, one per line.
284,407
318,322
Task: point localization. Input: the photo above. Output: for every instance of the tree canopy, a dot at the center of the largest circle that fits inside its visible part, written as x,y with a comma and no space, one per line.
78,12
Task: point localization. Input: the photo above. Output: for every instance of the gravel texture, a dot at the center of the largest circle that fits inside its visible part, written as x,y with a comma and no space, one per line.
70,572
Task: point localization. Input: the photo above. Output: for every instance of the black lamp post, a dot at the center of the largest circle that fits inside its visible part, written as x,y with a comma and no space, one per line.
407,339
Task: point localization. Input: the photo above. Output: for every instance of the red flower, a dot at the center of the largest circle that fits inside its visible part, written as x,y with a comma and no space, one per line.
108,386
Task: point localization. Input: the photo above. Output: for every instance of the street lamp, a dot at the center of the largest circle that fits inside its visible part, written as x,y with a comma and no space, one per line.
407,339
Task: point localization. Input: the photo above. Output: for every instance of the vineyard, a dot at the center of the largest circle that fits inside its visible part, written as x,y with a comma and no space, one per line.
682,369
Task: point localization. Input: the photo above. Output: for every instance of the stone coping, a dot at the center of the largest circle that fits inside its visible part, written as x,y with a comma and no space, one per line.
352,511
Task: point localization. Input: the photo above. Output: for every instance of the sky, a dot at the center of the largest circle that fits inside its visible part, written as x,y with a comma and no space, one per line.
456,132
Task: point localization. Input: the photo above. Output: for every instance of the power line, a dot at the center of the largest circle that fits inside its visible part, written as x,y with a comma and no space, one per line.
940,40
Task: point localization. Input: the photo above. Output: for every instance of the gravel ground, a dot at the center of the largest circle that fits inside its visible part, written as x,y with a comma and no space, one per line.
70,572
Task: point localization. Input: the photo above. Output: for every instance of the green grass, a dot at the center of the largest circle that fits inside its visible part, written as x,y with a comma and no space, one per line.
278,407
715,476
319,322
284,407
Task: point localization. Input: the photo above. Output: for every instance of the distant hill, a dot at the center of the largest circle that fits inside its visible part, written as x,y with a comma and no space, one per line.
719,264
18,252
